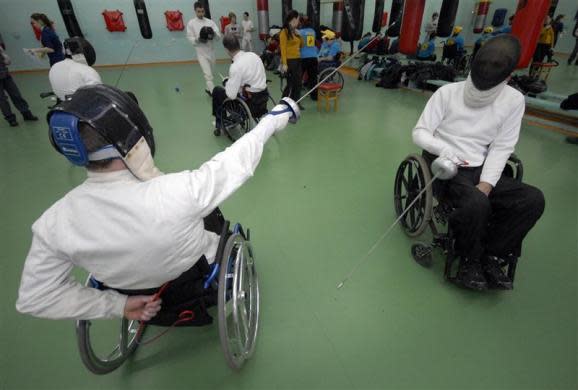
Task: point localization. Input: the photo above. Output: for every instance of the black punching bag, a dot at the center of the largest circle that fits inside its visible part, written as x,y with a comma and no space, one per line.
206,7
378,16
353,20
447,18
313,13
143,19
69,18
286,6
395,17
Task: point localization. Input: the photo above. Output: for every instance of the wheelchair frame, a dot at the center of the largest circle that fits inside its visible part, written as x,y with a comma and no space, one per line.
238,310
412,175
236,119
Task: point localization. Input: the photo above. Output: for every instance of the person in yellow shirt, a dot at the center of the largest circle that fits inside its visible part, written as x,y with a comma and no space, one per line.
545,42
290,43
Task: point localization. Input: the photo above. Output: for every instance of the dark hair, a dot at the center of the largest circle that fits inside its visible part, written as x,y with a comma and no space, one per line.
246,13
435,14
432,35
559,17
290,16
305,21
231,43
198,4
93,141
42,18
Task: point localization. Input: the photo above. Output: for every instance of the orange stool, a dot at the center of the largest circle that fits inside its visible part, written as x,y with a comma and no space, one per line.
328,92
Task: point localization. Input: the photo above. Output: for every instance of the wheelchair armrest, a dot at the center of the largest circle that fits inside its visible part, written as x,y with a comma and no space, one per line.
516,165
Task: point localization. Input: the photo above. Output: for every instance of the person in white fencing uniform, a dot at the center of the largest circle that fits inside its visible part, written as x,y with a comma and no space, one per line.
132,227
248,28
75,70
201,32
476,124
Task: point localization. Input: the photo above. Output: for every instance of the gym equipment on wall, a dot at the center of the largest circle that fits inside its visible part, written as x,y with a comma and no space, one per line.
69,18
410,26
313,13
353,20
499,17
396,15
143,19
114,21
206,7
286,6
337,21
378,16
527,26
174,20
447,18
263,18
482,9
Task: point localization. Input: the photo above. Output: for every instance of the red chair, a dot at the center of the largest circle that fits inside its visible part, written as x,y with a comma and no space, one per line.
328,92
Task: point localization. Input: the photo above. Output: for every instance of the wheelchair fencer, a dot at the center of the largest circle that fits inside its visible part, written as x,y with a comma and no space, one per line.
232,277
460,60
413,176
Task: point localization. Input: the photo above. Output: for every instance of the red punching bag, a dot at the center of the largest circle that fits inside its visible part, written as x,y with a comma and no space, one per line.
410,26
527,24
481,14
263,18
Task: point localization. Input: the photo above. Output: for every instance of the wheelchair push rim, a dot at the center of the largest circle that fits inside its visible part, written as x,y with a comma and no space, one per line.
130,336
238,302
336,78
235,118
412,176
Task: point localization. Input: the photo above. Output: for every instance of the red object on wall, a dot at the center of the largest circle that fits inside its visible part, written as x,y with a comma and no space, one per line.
384,20
114,20
410,26
225,21
174,20
481,15
527,24
37,31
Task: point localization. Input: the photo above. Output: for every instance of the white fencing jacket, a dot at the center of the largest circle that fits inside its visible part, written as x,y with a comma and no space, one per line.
482,136
68,75
131,234
206,49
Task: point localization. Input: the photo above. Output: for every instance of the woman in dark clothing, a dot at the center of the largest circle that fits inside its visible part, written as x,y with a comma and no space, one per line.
51,44
558,26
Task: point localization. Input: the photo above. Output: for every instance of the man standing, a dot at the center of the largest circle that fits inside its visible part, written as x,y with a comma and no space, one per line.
248,28
201,31
575,51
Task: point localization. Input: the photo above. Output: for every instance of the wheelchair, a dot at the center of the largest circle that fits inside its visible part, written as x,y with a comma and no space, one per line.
460,60
433,211
327,67
235,279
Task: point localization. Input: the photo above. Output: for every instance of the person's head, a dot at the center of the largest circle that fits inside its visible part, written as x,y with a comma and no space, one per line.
40,20
231,44
511,19
246,15
495,61
199,9
559,18
488,30
547,20
80,50
232,18
305,21
457,30
435,16
100,124
291,20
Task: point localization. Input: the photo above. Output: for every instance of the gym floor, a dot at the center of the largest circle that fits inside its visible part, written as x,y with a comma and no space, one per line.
322,195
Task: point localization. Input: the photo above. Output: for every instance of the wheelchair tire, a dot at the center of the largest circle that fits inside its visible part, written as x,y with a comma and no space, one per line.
238,301
411,178
236,119
130,336
336,78
422,254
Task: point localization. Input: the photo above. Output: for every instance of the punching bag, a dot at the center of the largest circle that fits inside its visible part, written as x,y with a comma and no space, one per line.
286,6
353,20
143,19
313,13
527,24
206,7
337,17
410,26
69,18
481,14
263,18
377,16
447,18
395,18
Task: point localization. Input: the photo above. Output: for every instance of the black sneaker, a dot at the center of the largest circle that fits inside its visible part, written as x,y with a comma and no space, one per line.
495,275
471,276
13,123
28,116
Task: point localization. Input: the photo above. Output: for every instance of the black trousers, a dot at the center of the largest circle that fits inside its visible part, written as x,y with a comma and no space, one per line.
8,85
187,292
543,50
294,79
494,225
310,66
257,102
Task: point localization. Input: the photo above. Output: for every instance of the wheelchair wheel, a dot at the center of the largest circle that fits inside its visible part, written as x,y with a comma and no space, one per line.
422,254
412,176
235,119
238,303
101,361
336,78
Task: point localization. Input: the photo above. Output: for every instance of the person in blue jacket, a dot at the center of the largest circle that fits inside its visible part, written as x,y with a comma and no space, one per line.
51,45
426,51
309,53
329,52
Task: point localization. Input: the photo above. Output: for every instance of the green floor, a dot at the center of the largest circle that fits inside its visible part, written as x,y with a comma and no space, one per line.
319,200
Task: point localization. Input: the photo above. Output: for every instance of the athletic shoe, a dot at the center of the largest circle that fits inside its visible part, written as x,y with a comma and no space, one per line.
495,275
471,276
